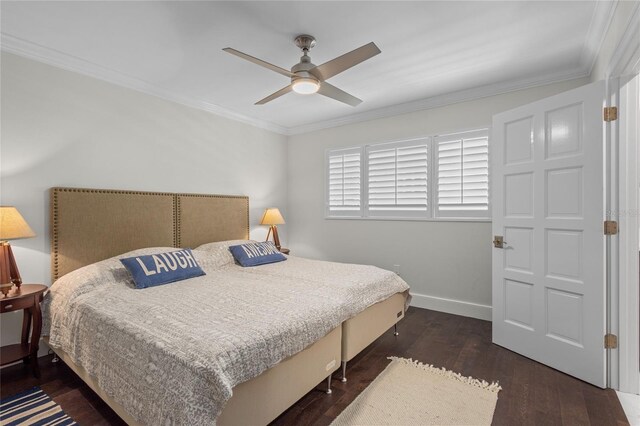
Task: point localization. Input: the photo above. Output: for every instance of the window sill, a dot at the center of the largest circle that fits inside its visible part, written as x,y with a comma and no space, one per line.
413,219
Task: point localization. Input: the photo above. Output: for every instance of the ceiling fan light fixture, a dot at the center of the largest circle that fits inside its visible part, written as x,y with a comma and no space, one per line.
307,78
305,85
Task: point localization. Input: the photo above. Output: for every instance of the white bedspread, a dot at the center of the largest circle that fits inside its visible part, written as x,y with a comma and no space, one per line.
172,354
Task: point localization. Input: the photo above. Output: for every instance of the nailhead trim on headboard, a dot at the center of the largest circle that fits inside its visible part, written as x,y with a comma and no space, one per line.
54,232
176,220
176,217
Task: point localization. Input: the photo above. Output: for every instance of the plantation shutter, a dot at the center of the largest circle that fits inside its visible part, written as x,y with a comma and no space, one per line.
397,178
344,173
463,174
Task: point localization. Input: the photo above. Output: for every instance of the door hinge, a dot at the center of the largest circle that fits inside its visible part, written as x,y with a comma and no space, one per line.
610,341
610,113
610,227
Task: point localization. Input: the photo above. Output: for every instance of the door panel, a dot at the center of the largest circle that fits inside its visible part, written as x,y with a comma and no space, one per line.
548,203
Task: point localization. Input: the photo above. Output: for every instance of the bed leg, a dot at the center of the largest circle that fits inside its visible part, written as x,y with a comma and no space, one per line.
395,330
329,385
344,372
55,357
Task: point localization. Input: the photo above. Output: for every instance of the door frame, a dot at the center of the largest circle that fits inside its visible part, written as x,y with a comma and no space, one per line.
622,205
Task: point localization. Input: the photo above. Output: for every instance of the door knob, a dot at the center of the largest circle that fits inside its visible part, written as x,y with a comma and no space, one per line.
498,241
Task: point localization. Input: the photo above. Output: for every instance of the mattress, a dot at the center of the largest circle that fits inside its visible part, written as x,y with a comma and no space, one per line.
172,354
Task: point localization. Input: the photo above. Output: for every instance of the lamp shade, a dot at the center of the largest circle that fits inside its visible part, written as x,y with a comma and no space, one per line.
13,225
272,216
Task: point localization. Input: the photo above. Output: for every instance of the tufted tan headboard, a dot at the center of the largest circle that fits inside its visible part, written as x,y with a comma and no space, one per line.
89,225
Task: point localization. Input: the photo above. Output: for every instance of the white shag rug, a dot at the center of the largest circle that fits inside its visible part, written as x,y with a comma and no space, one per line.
408,392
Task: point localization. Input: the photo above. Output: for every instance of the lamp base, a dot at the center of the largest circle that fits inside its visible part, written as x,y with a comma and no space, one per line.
9,274
276,239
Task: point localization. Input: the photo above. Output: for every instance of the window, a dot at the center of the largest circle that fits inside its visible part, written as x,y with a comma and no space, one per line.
446,176
463,174
397,178
344,186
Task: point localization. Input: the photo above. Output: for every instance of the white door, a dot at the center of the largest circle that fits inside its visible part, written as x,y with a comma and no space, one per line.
548,205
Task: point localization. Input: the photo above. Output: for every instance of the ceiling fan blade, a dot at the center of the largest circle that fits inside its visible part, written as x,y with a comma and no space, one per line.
260,62
275,95
333,92
344,62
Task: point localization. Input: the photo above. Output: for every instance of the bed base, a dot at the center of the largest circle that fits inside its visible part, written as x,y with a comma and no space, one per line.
260,400
363,329
300,373
343,379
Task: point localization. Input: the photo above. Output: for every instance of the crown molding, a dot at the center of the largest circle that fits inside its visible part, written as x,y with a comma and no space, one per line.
58,59
443,100
625,57
600,21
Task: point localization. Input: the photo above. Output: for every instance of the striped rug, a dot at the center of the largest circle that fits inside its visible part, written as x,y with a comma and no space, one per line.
32,407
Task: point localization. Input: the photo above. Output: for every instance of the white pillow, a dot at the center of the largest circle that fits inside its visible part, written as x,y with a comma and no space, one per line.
217,254
218,245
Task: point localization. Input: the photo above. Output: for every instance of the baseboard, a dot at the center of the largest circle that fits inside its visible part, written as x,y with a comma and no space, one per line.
451,306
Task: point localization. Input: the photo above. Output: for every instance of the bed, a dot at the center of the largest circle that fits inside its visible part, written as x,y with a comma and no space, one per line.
89,226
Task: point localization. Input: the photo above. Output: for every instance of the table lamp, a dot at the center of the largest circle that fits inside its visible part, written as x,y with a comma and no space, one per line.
12,227
272,217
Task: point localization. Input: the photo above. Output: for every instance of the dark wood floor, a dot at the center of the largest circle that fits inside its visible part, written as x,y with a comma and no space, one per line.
532,394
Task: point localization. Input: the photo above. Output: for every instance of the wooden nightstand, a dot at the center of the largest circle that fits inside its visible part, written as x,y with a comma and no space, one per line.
284,250
28,300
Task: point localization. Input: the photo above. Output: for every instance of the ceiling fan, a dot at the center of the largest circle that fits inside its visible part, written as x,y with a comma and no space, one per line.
307,78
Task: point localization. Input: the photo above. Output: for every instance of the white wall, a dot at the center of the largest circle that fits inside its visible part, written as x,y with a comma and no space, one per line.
64,129
447,264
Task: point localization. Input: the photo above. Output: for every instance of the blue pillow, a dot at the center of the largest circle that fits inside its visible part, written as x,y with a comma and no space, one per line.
162,268
253,254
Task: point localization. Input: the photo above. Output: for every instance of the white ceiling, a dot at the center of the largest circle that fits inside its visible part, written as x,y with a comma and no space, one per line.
432,52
